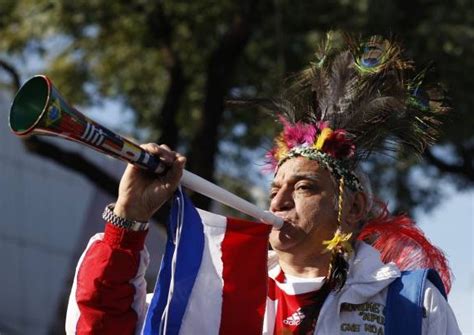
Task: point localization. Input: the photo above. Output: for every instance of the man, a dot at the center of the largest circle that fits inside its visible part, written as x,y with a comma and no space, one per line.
321,279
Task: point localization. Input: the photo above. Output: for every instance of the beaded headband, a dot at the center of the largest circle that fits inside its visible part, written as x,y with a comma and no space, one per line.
331,148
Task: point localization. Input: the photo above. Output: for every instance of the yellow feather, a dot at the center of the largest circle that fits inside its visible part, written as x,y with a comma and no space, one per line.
282,148
322,138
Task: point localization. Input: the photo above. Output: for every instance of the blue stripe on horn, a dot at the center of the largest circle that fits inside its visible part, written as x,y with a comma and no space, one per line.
189,255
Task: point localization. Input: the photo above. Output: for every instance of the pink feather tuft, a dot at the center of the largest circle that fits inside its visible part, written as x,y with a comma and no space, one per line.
400,241
299,134
271,163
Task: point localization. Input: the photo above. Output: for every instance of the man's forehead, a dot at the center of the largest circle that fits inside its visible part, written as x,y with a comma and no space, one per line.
299,165
300,168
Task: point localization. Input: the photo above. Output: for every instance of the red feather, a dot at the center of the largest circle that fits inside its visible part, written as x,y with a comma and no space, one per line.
399,240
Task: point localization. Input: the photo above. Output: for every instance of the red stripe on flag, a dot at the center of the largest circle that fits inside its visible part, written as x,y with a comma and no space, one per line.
244,257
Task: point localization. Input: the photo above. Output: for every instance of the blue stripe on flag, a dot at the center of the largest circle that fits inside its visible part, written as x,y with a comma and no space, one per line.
188,262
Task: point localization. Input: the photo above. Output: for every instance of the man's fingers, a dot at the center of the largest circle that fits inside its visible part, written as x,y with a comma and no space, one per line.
176,171
181,159
165,147
163,151
172,159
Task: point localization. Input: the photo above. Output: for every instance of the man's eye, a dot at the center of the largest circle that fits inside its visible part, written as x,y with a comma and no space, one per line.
304,187
272,194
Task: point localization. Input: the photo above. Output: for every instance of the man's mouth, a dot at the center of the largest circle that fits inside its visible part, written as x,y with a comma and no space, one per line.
288,225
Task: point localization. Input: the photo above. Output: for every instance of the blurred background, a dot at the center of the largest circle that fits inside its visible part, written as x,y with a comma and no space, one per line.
160,71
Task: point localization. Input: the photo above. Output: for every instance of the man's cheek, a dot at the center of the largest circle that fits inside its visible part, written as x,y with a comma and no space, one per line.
308,226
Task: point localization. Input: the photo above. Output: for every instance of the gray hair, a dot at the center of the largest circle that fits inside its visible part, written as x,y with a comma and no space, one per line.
366,189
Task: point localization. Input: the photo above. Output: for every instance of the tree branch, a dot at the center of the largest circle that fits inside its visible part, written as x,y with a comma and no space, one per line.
464,169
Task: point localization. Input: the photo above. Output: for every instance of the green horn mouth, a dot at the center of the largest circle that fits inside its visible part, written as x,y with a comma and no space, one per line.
29,104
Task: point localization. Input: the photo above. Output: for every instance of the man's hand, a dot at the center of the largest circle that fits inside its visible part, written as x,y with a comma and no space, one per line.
141,193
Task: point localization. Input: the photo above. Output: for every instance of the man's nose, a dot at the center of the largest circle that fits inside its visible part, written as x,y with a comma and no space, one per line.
282,201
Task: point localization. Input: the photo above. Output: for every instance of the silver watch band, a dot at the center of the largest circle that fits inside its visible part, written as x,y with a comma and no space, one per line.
109,216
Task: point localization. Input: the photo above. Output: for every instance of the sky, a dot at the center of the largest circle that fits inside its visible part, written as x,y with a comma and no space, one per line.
450,227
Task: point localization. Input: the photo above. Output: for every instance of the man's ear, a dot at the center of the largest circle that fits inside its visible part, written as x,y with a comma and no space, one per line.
357,209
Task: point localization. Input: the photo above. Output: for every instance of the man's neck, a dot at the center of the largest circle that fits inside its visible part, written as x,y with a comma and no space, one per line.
305,266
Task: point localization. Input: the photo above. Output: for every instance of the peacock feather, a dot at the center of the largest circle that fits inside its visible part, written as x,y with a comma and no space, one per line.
367,88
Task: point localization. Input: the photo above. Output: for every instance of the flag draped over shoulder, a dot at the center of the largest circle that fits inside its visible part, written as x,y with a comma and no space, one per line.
213,277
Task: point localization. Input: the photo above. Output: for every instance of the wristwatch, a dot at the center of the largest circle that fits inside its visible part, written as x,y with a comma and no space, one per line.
109,216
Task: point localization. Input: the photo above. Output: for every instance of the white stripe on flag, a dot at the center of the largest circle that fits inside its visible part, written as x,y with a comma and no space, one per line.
207,291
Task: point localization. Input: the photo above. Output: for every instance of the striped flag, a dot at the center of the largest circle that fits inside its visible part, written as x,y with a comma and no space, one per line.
213,277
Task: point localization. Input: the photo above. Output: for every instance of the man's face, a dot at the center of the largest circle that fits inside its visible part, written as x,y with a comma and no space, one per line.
303,194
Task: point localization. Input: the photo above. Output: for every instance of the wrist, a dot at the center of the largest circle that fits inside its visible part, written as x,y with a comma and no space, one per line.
121,222
130,212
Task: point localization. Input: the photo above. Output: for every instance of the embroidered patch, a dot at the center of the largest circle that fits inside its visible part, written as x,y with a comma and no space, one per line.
367,318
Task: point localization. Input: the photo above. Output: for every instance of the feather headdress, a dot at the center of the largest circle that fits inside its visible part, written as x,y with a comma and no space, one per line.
354,101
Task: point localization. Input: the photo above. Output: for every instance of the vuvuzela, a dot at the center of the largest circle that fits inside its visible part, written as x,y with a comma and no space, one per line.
38,108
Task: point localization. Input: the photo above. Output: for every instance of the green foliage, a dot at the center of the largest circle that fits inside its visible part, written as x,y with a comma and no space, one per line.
129,51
